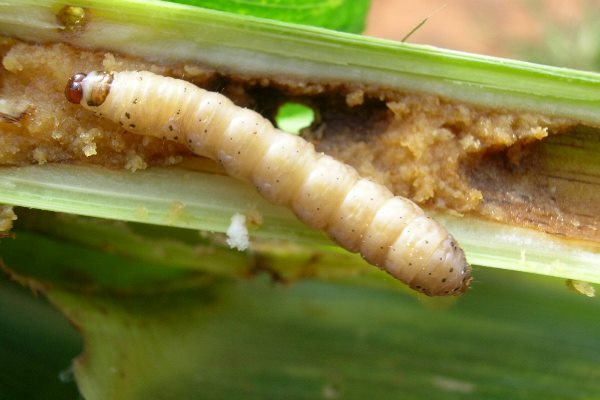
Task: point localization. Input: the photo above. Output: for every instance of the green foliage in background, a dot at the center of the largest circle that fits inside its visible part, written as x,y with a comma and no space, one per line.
340,15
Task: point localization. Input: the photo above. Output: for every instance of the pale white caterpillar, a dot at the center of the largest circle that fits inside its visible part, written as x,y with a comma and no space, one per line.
390,232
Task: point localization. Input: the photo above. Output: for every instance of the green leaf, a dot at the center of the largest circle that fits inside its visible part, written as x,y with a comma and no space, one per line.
341,15
37,346
254,340
161,332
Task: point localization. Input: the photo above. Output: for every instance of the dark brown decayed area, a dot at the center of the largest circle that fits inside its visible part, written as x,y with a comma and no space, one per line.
440,153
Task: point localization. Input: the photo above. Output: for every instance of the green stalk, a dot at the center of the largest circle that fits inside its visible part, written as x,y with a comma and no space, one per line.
174,33
197,200
169,32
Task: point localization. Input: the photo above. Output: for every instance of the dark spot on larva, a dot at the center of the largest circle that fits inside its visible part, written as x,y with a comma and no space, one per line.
199,119
318,209
135,101
429,273
190,141
127,115
120,123
176,137
441,259
178,111
277,180
220,104
254,133
164,138
446,292
451,269
410,264
132,125
140,78
171,128
443,280
239,152
99,89
205,130
427,242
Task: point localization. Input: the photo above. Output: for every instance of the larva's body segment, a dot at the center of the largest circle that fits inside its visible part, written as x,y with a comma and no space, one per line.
413,248
392,217
360,215
355,212
322,191
276,176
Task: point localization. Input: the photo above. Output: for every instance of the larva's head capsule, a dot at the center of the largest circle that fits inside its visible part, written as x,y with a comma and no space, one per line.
93,88
74,89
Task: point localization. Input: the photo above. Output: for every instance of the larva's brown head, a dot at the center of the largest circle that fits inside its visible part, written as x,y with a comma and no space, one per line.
74,89
93,88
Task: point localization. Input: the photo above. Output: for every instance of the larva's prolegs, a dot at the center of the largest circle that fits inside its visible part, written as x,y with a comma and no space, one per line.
360,215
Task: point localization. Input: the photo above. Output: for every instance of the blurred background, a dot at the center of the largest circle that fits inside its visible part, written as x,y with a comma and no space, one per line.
557,32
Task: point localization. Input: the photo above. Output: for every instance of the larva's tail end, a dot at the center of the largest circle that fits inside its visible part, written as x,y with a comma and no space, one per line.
461,286
446,273
465,284
461,280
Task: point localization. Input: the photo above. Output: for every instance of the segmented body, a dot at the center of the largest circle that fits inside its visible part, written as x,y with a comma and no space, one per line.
362,216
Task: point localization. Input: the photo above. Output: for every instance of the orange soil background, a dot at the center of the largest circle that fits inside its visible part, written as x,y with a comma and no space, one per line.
491,27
